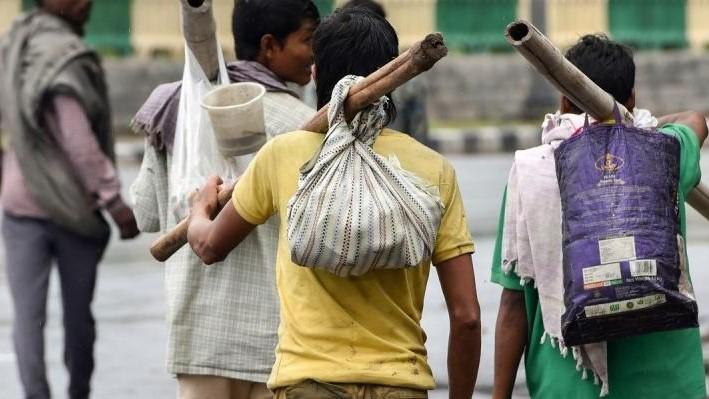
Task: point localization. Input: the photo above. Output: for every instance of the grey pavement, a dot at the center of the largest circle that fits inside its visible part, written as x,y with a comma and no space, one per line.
130,304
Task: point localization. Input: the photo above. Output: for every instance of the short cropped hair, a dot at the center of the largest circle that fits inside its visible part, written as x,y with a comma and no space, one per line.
607,63
351,41
371,5
253,19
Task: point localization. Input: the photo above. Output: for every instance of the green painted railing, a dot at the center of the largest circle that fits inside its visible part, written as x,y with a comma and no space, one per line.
469,25
324,6
475,25
648,23
108,30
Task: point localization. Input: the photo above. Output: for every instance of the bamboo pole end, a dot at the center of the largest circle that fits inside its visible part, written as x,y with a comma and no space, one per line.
199,6
427,52
518,31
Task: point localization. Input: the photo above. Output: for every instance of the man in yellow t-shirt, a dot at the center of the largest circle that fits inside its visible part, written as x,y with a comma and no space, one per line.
355,337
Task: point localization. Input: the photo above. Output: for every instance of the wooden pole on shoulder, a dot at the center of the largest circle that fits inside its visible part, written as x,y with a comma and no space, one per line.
418,59
577,87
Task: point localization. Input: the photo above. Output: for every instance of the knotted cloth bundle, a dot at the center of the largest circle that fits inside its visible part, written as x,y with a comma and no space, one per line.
355,210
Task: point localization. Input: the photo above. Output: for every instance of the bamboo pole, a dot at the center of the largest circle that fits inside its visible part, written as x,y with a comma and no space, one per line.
200,32
418,59
577,87
569,80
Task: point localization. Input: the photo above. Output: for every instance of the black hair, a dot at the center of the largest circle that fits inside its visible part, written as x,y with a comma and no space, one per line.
253,19
371,5
351,41
607,63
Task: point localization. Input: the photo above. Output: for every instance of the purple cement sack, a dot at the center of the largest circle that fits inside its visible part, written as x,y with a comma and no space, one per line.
621,242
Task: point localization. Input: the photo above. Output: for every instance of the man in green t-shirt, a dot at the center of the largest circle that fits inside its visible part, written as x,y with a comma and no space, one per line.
659,365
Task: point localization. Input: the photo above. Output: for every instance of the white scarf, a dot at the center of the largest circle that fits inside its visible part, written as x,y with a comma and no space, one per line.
532,240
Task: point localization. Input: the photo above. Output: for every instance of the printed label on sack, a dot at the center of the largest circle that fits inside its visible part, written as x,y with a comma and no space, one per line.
617,249
624,306
645,267
600,276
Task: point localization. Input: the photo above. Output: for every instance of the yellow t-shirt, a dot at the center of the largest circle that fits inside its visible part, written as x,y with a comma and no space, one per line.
362,329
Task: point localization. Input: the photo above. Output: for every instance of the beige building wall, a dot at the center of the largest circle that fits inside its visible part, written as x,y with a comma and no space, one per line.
567,20
412,19
9,9
223,10
524,9
155,27
698,23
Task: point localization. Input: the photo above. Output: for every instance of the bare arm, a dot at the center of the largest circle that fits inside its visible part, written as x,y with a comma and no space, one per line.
510,341
694,120
458,284
212,240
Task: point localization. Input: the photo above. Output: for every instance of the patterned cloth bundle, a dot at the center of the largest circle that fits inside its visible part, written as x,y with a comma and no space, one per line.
355,210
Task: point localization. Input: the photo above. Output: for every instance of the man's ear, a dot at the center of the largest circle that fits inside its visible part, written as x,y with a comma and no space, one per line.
267,47
630,103
565,106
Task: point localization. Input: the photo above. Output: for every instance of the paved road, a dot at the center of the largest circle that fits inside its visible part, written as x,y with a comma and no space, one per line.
129,305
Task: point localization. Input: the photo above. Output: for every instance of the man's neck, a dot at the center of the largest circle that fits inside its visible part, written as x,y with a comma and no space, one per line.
77,28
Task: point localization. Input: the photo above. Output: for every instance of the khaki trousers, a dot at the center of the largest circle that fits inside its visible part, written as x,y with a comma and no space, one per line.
319,390
211,387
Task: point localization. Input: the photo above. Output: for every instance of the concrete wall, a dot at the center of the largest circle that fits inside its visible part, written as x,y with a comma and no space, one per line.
503,87
488,87
130,82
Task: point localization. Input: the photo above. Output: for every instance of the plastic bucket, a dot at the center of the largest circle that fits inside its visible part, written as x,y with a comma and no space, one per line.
236,114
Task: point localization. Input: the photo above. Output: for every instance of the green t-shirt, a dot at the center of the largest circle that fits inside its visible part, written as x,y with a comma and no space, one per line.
658,365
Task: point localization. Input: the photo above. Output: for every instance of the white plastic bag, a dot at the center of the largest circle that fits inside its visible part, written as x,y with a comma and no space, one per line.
355,210
195,154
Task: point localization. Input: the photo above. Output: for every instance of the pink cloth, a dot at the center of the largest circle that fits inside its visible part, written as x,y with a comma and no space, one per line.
68,122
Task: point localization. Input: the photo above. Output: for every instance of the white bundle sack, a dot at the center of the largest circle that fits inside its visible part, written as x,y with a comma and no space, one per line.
355,210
